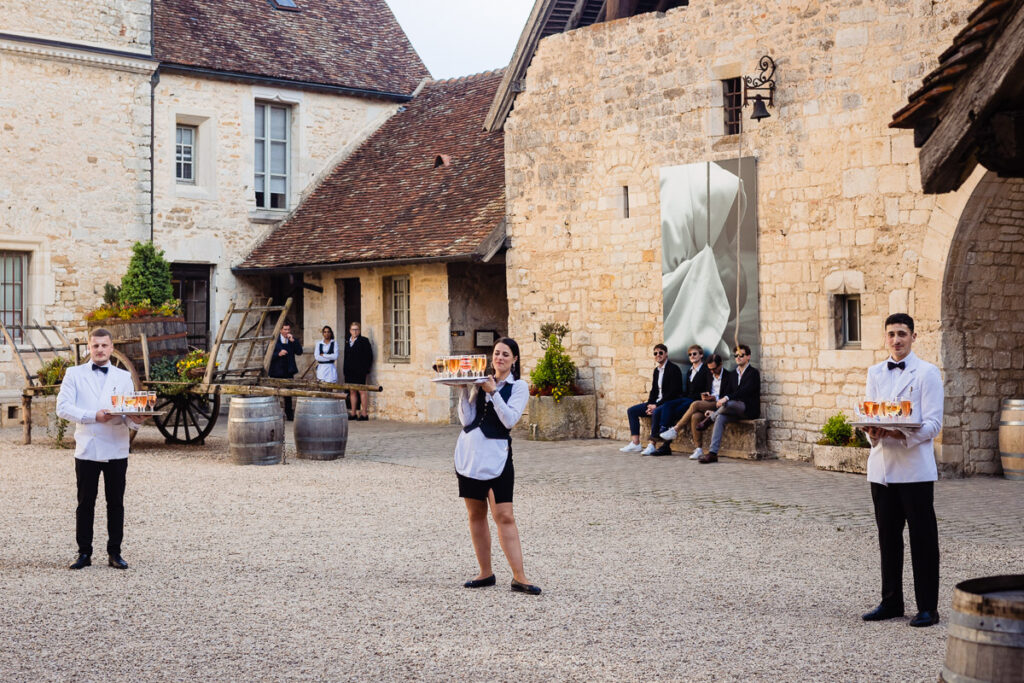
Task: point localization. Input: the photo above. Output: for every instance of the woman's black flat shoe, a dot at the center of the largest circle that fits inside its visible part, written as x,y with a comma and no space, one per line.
480,583
525,588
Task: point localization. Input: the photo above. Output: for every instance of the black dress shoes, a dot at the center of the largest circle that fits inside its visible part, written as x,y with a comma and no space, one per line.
527,588
117,562
480,583
708,457
883,612
82,561
704,424
926,618
663,449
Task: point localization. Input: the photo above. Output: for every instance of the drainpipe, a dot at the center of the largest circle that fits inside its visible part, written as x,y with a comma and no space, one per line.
153,82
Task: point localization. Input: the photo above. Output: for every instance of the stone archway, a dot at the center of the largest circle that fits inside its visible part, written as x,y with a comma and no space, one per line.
982,324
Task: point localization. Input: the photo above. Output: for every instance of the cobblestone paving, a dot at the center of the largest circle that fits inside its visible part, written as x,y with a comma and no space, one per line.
979,509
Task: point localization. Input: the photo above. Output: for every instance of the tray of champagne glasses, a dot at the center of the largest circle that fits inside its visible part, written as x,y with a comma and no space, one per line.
460,370
893,414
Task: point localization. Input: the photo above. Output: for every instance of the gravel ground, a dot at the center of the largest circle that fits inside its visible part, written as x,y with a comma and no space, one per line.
352,570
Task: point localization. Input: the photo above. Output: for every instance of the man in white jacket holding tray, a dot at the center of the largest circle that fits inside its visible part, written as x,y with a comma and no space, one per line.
101,444
902,472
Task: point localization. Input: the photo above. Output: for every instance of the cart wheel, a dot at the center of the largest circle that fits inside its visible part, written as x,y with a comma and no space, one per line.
119,360
190,417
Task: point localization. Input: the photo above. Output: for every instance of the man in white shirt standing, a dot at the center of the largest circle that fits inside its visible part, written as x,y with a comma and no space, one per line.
902,472
101,444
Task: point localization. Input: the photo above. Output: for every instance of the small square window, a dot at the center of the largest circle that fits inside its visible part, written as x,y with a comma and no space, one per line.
284,4
625,201
732,97
185,154
847,317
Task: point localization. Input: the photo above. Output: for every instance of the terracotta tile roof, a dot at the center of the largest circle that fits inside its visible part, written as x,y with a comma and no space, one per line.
969,48
388,200
348,43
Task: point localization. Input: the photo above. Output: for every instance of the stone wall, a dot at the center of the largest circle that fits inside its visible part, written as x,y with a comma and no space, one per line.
215,221
840,208
408,394
983,314
114,24
74,186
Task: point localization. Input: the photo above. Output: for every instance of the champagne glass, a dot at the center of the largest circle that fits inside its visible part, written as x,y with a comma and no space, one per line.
871,408
452,364
151,400
465,365
115,402
892,409
439,364
906,406
479,365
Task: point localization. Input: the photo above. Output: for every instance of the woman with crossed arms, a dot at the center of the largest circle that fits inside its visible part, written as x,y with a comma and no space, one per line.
483,463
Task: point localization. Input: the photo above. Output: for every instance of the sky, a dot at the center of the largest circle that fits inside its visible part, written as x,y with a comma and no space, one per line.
462,37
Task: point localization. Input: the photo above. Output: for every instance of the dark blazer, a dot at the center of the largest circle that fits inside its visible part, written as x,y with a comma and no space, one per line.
671,384
284,366
748,391
358,358
701,382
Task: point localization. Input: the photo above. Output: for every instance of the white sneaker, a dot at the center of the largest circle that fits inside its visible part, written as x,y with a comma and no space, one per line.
669,434
631,448
697,452
647,451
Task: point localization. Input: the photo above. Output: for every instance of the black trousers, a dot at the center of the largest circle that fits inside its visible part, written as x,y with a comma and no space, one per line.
913,505
87,474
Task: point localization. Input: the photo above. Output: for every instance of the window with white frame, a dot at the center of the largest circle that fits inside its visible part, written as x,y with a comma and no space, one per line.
271,155
396,315
185,154
13,274
847,317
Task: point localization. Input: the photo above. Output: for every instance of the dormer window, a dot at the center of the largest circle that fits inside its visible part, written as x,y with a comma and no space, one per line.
442,160
284,4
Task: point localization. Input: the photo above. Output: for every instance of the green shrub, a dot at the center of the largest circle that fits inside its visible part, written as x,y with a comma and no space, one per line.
148,278
555,372
111,292
837,431
53,372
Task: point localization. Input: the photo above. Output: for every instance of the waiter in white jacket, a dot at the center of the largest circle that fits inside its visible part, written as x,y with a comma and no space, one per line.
902,472
101,444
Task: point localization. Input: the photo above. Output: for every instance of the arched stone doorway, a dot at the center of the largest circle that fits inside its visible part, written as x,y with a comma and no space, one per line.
982,324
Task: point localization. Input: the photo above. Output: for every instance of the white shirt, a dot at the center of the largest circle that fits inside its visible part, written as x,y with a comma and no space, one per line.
477,456
83,393
661,376
716,384
326,371
695,370
912,458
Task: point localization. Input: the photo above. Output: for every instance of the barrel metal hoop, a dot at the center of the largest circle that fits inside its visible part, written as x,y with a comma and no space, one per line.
951,677
264,444
1013,401
1007,454
1011,423
987,623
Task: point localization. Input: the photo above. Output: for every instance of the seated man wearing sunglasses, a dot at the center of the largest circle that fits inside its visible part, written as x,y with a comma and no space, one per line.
666,386
740,400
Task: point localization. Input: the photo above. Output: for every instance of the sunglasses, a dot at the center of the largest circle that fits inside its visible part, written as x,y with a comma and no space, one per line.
739,355
659,353
694,355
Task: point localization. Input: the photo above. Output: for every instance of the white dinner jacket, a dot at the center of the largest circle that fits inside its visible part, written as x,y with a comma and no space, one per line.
82,395
902,461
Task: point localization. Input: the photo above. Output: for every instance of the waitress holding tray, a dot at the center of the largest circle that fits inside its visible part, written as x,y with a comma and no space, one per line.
483,463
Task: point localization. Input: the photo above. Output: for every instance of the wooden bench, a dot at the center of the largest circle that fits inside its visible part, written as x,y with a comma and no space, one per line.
745,439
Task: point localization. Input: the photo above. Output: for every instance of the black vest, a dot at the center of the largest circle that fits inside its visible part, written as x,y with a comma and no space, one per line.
328,351
487,420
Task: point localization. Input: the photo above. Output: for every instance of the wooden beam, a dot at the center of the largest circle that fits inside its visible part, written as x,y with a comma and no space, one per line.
619,9
574,17
276,334
241,329
212,364
947,156
14,347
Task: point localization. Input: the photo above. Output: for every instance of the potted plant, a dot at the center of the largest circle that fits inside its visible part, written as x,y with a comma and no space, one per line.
841,447
557,409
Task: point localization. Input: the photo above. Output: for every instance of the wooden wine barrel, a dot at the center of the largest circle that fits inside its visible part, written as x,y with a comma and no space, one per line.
321,428
1011,438
986,632
255,430
165,336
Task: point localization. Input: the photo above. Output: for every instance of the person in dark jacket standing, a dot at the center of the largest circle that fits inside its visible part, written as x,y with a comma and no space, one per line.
282,363
357,366
740,400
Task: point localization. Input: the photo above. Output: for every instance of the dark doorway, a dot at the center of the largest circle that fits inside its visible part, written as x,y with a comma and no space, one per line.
350,299
191,284
284,287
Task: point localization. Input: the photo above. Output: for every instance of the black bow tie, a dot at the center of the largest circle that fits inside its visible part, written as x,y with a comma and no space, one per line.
901,365
101,368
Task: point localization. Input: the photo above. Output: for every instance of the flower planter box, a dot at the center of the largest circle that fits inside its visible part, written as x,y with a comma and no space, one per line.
840,458
573,417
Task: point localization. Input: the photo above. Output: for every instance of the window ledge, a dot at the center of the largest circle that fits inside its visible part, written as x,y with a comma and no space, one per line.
400,361
267,215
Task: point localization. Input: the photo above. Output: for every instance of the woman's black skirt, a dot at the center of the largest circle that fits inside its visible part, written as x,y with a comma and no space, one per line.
502,485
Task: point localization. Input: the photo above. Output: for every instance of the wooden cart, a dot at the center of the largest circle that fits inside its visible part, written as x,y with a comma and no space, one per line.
190,410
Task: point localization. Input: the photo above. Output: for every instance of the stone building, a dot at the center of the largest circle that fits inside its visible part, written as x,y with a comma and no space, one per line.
196,125
845,235
406,235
